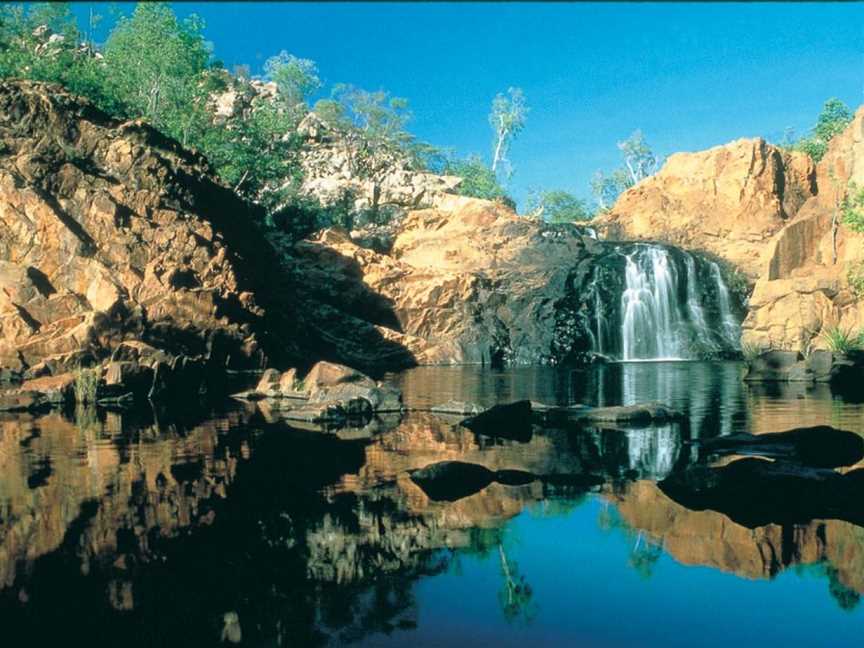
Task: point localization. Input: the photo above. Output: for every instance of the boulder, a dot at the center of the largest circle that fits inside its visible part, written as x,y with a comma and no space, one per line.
53,389
820,447
449,481
819,366
510,421
755,492
641,413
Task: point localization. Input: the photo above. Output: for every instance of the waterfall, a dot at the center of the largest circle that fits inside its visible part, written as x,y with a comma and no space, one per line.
731,326
670,305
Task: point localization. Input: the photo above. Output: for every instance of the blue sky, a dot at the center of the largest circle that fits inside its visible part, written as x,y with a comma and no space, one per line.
690,76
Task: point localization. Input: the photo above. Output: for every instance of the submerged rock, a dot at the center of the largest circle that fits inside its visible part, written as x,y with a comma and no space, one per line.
820,447
840,369
457,408
755,492
642,413
452,480
511,421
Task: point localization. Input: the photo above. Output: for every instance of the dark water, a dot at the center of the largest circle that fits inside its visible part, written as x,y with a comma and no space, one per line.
188,529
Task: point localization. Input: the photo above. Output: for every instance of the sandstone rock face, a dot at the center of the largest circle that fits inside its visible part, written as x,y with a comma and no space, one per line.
109,232
466,282
728,200
804,280
340,168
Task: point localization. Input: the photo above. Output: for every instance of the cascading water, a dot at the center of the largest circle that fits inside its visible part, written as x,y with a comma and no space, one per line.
655,302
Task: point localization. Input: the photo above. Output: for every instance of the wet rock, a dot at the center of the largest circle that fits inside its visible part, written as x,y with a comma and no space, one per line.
642,413
820,446
510,421
755,492
21,401
380,397
456,407
841,369
54,389
555,414
449,481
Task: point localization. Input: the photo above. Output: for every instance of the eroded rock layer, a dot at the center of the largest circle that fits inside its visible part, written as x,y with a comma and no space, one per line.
111,232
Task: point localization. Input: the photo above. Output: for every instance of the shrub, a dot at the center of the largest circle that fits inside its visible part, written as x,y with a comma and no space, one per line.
840,340
86,385
856,279
751,351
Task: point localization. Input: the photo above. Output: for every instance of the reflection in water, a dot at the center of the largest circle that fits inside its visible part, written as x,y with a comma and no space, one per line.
232,526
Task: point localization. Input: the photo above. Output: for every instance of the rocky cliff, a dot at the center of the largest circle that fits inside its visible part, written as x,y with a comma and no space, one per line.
803,286
729,201
769,213
110,232
466,282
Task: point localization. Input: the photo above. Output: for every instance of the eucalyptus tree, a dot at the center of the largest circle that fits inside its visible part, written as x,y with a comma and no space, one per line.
507,119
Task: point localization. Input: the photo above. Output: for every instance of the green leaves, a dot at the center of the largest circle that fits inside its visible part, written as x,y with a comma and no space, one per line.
833,119
559,207
478,180
296,79
154,64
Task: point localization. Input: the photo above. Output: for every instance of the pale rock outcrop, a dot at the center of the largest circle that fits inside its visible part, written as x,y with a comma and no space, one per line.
466,282
803,288
728,200
109,232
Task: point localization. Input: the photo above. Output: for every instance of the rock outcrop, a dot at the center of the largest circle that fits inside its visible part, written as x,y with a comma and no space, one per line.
110,233
729,201
804,287
466,282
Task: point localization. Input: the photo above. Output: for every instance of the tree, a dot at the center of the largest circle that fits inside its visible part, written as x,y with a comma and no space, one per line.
639,163
380,116
295,78
638,157
478,180
154,64
507,119
833,119
558,207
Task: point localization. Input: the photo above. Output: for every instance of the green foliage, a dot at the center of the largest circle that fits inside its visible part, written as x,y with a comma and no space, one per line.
833,119
559,207
154,65
856,279
478,180
840,340
751,351
86,385
639,163
295,78
852,208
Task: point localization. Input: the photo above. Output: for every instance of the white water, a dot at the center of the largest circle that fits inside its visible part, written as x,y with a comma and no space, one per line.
657,320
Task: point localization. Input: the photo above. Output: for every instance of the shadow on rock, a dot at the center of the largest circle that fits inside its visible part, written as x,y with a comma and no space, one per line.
755,492
449,481
820,447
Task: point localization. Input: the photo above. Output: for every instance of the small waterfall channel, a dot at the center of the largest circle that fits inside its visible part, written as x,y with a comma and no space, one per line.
655,302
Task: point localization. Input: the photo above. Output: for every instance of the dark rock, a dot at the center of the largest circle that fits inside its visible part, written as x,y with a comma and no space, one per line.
840,369
511,421
755,492
514,477
642,413
449,481
820,447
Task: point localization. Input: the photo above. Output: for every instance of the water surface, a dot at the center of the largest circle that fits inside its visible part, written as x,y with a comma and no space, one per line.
228,525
